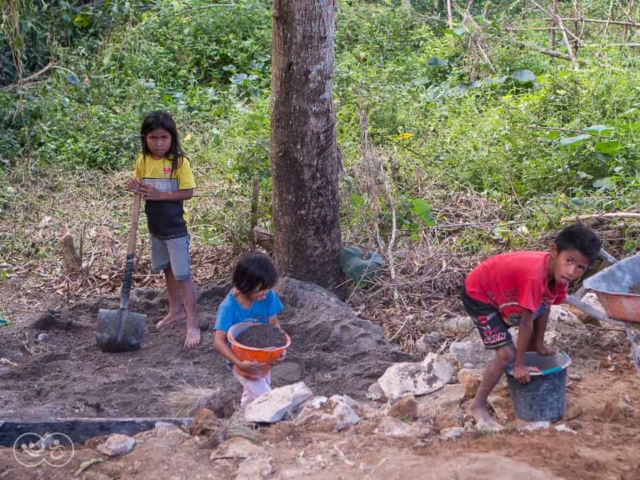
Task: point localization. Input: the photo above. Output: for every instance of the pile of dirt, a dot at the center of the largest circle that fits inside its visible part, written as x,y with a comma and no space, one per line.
332,350
262,336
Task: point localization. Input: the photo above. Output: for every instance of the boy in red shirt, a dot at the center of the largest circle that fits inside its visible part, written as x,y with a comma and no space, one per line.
518,289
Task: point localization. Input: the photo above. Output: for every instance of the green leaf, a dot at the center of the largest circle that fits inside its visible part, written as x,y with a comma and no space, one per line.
357,200
524,76
604,184
458,32
552,134
599,129
628,112
630,127
72,78
423,211
82,20
239,78
609,148
437,62
421,81
575,141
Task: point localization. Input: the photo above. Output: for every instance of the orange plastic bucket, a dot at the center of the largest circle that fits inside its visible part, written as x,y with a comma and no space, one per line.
267,356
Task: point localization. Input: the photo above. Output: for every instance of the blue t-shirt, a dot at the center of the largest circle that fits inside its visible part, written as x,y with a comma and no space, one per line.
231,312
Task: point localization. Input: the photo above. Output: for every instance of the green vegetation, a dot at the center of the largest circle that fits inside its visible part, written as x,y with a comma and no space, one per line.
474,107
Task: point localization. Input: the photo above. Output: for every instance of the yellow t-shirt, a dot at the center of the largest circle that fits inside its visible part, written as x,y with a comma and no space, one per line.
166,219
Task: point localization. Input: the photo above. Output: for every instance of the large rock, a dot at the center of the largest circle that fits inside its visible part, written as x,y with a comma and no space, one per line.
451,433
255,461
448,399
274,405
326,415
252,469
241,448
457,324
472,352
117,445
406,407
392,427
429,342
402,379
345,416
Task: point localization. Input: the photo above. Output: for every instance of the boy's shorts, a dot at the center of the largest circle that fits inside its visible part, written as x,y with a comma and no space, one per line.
171,252
493,330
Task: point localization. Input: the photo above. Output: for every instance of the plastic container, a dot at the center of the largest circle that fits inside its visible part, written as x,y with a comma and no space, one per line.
543,399
267,356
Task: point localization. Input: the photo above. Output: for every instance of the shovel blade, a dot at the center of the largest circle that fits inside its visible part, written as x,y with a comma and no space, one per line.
133,325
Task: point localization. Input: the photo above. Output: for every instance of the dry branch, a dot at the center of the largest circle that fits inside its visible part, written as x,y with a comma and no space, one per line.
564,31
602,215
597,20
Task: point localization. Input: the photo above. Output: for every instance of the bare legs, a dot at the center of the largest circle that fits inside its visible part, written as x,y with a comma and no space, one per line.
182,305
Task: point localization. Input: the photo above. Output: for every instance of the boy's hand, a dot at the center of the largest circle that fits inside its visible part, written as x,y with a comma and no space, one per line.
282,356
521,373
545,351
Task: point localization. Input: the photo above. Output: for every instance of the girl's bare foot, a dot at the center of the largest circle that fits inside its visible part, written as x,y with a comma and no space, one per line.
484,420
193,338
171,318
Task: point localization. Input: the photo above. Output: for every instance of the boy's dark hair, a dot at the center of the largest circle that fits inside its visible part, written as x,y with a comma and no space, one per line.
580,238
163,120
254,271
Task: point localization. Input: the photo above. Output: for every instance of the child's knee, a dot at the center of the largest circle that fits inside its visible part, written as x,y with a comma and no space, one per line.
506,355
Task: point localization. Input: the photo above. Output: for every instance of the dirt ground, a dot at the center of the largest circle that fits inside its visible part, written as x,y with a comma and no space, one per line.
334,353
68,376
604,446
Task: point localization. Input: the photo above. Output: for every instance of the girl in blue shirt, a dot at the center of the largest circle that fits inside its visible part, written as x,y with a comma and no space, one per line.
250,300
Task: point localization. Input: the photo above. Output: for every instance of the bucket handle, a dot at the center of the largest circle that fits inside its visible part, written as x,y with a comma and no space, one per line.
552,370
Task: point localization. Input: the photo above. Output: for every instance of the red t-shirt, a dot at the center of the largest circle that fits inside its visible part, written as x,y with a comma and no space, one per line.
512,282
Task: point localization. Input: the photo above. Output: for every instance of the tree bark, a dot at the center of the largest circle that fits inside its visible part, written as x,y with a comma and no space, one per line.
305,163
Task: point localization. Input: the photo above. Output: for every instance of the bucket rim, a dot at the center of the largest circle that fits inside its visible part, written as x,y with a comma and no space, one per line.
566,363
244,325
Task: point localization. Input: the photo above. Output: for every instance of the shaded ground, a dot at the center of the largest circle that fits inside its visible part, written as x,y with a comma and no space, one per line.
68,376
333,352
604,446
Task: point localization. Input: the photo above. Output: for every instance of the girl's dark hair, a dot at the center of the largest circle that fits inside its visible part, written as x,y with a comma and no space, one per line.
163,120
254,271
579,237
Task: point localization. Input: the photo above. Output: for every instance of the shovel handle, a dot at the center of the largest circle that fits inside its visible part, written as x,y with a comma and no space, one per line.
131,252
135,218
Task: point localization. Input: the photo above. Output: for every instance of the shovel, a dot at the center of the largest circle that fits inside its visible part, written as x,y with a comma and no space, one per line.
121,330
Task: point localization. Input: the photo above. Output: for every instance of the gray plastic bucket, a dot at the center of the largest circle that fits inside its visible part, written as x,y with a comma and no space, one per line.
543,399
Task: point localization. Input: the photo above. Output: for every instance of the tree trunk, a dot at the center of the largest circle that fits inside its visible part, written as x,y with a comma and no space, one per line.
305,163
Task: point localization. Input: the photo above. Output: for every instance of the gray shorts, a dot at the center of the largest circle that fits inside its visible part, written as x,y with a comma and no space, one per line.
172,252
